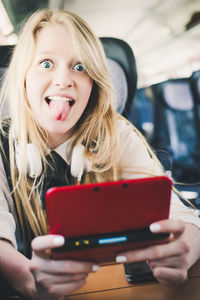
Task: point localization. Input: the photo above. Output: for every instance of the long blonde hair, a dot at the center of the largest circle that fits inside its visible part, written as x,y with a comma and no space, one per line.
96,128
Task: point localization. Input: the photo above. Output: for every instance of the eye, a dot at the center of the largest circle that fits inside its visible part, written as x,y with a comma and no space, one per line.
79,68
46,64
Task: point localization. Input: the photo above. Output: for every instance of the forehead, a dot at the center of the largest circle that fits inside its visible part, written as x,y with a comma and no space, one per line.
53,37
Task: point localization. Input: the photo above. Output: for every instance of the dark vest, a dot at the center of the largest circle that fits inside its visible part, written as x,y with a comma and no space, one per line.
57,174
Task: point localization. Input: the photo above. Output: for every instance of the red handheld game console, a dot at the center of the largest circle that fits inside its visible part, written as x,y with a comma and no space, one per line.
101,220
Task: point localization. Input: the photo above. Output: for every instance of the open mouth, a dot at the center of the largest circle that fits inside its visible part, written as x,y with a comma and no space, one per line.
69,100
59,106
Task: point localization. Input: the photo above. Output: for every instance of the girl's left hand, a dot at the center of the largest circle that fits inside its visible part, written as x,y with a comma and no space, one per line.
169,262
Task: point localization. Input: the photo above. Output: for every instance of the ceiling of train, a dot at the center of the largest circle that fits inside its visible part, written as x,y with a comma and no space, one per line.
164,34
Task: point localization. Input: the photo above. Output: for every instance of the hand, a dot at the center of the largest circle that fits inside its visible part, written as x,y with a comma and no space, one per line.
56,278
169,262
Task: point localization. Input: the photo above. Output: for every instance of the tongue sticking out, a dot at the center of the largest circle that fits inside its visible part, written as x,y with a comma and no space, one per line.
59,109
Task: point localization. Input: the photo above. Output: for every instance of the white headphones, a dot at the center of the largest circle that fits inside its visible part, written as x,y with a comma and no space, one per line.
34,165
79,163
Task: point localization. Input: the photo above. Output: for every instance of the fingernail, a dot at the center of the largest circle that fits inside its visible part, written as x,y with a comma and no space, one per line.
121,259
59,240
155,227
95,268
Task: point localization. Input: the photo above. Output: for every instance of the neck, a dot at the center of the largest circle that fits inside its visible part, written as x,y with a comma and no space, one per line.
56,140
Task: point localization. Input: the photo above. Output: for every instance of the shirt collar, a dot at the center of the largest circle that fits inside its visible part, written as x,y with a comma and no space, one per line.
65,150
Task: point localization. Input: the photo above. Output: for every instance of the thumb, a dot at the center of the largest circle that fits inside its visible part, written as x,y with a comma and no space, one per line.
42,245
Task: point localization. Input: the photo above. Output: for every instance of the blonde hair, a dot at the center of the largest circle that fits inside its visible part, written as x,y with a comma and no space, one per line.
96,128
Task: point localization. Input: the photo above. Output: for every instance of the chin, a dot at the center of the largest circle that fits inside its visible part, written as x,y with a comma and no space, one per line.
59,130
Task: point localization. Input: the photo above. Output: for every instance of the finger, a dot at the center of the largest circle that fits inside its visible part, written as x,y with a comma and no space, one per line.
169,276
156,252
42,245
44,242
62,266
175,227
45,279
172,262
64,289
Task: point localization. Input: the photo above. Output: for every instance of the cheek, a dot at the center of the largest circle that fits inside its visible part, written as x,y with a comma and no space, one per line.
30,86
34,87
88,89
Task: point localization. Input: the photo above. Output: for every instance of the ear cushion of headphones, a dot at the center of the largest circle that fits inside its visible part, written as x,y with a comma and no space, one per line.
79,163
34,163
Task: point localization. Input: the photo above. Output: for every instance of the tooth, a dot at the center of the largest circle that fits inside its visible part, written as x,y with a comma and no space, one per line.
59,98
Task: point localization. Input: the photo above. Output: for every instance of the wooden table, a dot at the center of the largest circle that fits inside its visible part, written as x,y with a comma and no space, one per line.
109,283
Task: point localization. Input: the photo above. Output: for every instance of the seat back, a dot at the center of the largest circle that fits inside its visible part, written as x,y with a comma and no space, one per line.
195,84
5,54
175,129
195,78
5,110
122,66
141,113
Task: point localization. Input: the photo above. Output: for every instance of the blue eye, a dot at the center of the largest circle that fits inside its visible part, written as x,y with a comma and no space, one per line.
79,68
46,64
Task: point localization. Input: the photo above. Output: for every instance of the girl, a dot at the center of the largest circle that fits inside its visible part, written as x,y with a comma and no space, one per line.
61,102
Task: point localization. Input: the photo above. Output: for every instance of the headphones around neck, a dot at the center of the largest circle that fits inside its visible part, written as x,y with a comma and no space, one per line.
34,162
79,163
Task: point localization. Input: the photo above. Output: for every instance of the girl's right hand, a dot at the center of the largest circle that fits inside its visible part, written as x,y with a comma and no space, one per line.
56,278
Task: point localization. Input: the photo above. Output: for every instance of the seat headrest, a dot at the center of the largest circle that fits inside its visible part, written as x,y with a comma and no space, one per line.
120,84
119,51
177,95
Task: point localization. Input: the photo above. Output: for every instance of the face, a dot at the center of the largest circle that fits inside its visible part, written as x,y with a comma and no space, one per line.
57,86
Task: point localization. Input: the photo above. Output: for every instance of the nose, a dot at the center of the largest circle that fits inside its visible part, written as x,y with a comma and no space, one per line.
62,79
